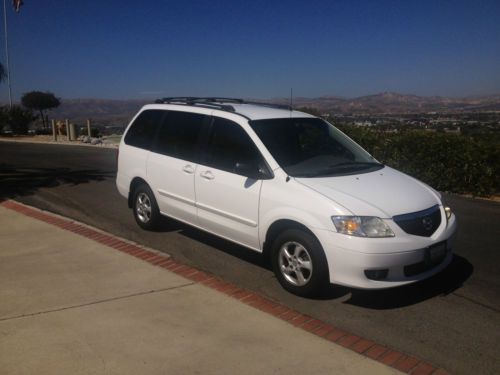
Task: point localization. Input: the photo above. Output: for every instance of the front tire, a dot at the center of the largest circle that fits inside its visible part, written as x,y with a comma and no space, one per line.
299,263
146,212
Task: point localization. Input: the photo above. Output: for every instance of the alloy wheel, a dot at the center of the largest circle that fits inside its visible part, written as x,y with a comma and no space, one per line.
143,208
295,263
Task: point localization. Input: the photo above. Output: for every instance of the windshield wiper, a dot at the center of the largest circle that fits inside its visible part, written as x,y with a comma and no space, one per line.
344,167
355,164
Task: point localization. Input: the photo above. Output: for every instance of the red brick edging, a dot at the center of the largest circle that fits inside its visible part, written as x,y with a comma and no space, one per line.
403,362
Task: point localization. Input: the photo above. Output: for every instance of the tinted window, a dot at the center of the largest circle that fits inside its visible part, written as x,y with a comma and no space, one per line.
230,144
142,131
178,135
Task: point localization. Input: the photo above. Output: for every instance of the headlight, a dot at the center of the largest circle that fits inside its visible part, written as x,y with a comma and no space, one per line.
362,226
447,211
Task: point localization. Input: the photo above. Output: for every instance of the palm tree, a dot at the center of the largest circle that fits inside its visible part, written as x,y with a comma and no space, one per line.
3,73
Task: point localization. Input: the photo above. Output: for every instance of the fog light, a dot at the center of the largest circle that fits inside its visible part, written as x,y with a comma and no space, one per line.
376,274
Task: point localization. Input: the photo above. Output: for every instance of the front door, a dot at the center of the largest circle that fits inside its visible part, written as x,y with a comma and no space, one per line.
228,203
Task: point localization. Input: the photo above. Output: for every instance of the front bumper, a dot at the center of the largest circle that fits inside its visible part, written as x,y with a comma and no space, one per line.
349,257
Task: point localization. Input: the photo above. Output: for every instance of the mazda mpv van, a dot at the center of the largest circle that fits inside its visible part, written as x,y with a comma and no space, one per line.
285,184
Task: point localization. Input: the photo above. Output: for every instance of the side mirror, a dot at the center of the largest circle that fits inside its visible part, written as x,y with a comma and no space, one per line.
252,171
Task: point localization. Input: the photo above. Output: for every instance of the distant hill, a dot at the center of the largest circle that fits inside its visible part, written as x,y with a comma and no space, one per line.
101,111
395,103
119,112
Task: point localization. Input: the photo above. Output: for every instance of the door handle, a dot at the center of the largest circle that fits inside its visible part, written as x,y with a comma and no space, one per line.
188,169
207,175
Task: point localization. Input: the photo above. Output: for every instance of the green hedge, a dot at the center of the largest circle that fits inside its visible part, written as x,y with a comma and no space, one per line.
448,162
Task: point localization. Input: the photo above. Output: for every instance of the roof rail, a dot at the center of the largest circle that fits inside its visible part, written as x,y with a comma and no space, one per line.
216,102
223,100
201,102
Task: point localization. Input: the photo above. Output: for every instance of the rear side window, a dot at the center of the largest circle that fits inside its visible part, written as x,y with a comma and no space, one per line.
178,135
230,144
142,131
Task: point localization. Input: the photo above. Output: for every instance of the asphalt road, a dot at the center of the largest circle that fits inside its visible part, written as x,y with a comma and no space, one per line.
451,320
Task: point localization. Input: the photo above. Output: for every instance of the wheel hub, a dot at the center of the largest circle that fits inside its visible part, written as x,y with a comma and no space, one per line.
143,207
295,263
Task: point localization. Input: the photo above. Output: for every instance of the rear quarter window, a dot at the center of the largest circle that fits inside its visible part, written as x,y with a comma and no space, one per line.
142,131
179,134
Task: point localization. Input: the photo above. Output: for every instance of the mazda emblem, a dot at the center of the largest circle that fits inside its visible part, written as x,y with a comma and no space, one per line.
427,222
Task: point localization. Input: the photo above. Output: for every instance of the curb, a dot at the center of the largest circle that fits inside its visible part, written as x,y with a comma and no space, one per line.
62,143
380,353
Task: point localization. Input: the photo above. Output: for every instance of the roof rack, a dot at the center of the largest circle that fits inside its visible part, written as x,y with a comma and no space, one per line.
223,100
197,101
216,102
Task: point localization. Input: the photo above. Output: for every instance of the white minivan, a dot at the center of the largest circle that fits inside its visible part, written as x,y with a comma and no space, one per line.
288,185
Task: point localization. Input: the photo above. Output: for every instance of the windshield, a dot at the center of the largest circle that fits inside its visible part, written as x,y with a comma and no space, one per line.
311,147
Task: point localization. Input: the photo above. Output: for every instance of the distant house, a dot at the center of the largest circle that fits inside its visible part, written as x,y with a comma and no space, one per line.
363,123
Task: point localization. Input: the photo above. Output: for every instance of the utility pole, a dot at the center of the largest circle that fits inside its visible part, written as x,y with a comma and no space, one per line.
7,51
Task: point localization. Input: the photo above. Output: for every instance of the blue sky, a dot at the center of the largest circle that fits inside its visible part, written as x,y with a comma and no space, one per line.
147,49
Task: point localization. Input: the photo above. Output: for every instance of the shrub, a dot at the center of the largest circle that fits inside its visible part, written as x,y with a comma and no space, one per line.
20,119
95,133
448,162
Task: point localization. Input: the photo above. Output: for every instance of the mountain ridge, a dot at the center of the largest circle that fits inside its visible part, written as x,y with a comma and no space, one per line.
119,112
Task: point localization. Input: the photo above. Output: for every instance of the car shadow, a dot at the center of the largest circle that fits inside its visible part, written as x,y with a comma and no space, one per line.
17,182
220,244
441,284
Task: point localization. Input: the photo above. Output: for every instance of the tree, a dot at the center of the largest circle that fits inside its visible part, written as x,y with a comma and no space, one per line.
4,117
40,101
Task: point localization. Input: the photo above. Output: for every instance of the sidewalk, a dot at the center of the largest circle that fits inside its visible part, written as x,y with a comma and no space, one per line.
72,305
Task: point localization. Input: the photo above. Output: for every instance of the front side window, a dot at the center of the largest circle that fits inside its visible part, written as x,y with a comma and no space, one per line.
229,145
142,131
178,135
311,147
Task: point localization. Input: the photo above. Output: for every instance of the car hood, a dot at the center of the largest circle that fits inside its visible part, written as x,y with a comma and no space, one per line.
383,193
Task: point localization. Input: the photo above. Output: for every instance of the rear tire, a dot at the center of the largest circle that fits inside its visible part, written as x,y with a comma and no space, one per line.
299,263
146,212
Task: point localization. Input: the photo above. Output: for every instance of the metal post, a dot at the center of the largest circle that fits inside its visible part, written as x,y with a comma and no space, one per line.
54,130
89,133
7,51
72,132
67,129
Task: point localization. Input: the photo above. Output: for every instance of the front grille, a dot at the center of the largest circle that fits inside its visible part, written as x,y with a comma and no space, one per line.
422,223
